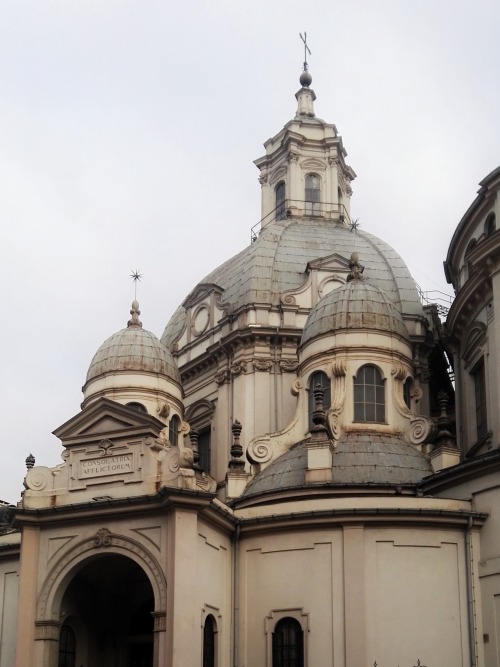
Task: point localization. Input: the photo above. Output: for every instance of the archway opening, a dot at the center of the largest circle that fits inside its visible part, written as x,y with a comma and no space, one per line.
108,607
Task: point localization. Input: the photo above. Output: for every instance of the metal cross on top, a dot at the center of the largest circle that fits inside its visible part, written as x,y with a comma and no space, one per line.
306,49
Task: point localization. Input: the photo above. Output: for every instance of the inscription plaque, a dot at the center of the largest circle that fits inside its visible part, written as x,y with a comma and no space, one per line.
105,466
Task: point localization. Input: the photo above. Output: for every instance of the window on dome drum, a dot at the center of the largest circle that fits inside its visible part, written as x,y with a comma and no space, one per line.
407,391
480,396
369,395
204,449
324,381
67,647
137,406
173,430
313,194
490,224
209,637
280,201
288,643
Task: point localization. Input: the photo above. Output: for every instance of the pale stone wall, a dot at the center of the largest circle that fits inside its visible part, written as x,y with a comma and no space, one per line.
9,588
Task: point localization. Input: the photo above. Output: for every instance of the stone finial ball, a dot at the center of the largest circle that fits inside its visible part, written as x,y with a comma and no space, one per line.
305,79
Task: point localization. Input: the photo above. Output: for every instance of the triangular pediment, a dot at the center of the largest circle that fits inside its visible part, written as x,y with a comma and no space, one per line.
200,292
105,419
334,262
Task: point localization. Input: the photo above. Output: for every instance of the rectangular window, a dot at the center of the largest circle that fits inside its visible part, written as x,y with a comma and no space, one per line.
204,449
480,396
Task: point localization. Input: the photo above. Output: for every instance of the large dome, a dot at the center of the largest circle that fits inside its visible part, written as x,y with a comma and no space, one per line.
277,262
360,458
357,305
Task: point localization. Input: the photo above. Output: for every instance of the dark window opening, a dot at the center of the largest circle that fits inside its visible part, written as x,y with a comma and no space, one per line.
480,396
369,396
490,224
67,647
204,449
173,430
209,631
407,387
288,644
324,381
137,406
280,201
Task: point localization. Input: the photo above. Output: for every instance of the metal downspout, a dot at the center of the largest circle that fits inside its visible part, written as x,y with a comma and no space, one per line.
469,563
236,594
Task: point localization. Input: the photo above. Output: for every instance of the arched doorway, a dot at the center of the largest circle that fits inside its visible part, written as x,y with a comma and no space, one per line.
107,607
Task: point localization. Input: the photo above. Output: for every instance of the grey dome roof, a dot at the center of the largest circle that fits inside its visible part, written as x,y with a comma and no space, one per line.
133,349
356,305
360,458
276,262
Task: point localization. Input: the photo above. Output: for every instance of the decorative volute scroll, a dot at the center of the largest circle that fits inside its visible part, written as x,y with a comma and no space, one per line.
238,367
400,373
339,369
422,430
260,450
222,376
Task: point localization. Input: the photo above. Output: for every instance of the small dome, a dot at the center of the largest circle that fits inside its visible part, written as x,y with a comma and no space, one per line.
361,458
133,349
356,305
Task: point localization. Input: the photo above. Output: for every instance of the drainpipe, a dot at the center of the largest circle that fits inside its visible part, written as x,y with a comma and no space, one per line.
236,594
469,563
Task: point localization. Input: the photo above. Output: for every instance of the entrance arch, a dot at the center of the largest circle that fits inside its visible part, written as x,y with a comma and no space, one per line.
111,592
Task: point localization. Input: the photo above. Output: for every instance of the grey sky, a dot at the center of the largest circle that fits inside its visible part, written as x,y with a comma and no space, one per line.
128,131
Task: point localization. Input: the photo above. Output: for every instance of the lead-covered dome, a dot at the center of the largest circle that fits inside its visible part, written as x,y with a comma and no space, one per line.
133,367
133,349
356,305
360,458
277,262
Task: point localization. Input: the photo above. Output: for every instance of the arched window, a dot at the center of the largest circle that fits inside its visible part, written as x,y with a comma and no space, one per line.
173,430
323,380
209,634
288,643
369,395
280,201
490,224
313,194
67,647
137,406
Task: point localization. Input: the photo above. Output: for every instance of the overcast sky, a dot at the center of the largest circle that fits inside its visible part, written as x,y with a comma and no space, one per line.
128,130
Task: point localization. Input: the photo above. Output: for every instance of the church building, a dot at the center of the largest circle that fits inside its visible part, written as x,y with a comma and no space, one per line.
304,471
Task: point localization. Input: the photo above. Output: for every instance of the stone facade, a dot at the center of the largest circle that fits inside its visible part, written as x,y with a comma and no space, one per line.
279,481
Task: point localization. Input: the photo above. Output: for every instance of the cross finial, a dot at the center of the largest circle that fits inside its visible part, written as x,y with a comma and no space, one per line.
306,49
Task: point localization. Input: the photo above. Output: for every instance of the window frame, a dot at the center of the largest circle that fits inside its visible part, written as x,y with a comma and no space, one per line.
312,194
63,653
174,426
271,621
280,201
377,389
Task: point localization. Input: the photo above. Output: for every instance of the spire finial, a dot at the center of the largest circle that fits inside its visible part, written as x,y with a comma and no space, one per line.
305,77
135,312
306,50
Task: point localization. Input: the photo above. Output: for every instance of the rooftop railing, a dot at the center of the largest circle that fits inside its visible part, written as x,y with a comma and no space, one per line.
298,208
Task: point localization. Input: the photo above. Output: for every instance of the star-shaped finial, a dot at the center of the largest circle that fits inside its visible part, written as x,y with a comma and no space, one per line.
354,225
136,277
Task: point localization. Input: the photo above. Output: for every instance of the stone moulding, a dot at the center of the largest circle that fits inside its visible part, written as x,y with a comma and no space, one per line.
47,613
